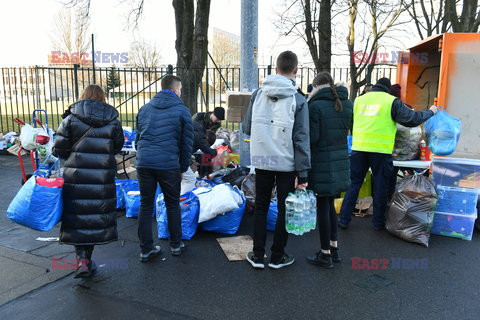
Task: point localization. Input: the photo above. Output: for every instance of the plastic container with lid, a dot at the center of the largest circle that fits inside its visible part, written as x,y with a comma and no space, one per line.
456,172
457,200
454,225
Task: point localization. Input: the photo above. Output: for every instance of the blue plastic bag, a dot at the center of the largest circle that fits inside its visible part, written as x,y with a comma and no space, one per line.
132,201
443,132
272,215
37,207
190,210
120,185
227,223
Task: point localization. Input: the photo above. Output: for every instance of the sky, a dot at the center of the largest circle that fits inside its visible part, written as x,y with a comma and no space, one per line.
27,27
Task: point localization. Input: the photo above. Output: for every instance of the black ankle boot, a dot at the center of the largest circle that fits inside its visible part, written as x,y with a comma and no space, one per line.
84,261
335,256
321,259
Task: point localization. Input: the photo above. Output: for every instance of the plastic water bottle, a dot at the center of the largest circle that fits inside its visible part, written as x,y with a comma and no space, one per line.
313,210
298,219
306,211
290,213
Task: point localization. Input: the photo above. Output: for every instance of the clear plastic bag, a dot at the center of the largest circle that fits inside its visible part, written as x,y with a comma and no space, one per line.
407,143
410,214
443,132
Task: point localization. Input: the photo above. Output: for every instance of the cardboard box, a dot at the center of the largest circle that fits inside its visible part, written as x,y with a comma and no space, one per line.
238,103
236,113
14,149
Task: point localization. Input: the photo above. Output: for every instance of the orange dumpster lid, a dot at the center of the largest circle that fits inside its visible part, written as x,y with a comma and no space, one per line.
427,42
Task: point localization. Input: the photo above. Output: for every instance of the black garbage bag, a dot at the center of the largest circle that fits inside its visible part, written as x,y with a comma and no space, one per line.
236,176
410,215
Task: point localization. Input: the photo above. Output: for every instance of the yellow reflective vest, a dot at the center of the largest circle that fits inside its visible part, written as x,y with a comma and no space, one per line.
373,127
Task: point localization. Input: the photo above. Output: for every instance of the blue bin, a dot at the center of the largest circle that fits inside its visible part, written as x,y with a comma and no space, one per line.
457,200
454,225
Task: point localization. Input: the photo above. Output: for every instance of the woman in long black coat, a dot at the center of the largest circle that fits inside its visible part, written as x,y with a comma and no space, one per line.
88,139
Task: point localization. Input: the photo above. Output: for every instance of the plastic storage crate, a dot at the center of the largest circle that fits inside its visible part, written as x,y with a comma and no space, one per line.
456,172
457,200
454,225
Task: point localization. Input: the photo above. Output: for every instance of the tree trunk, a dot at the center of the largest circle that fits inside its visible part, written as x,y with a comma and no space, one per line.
191,46
325,36
321,51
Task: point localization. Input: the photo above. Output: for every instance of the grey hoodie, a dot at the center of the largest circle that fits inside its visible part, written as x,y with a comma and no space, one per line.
277,121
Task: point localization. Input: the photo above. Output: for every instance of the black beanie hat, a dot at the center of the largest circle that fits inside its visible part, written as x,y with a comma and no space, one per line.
219,112
385,82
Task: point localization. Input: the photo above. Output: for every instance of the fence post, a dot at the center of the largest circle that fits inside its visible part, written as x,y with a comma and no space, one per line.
75,77
37,87
207,88
269,69
170,69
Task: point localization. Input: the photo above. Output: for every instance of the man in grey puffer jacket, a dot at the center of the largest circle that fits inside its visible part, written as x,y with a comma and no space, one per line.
277,121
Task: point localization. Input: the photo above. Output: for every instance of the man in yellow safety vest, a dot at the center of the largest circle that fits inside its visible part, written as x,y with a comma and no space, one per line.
375,115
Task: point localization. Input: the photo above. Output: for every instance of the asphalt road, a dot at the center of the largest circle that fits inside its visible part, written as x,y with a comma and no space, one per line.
203,284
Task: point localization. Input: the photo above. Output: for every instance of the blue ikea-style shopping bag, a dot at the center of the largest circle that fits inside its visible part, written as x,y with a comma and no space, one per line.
190,210
37,207
272,215
120,185
227,223
132,199
443,132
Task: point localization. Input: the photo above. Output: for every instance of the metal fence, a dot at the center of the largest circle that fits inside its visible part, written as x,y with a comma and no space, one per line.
23,89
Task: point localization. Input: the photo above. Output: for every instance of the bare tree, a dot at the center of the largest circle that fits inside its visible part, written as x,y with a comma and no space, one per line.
428,16
191,46
310,20
144,55
381,17
191,24
468,20
70,35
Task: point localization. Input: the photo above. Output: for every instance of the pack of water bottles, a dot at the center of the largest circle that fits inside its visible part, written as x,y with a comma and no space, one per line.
301,212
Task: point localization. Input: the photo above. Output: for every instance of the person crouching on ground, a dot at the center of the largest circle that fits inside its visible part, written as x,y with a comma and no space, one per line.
88,139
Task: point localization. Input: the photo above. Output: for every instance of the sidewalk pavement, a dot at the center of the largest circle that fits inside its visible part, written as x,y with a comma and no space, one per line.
203,284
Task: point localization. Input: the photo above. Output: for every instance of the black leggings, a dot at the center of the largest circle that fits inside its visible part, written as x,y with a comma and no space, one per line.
327,221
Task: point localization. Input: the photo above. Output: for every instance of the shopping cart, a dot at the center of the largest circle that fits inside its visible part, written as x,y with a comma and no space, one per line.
43,168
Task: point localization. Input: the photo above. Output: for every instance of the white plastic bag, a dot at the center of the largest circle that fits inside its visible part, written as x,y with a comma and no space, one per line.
188,181
215,201
45,151
27,137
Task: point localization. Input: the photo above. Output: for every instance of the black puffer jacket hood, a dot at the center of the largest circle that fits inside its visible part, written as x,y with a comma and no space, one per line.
93,112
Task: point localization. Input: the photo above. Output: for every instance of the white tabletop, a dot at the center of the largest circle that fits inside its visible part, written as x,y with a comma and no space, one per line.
413,164
129,149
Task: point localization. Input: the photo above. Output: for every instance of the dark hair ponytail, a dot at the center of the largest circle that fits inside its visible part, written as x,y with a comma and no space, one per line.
338,103
326,78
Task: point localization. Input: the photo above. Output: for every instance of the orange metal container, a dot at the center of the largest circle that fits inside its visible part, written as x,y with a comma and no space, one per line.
445,70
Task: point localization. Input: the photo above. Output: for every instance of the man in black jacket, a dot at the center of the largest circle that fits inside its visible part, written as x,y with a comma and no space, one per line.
210,120
202,142
374,126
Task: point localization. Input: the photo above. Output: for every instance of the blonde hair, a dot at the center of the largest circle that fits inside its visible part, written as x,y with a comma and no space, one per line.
94,92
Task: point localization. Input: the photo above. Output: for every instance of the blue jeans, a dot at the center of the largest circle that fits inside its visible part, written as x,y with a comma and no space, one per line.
382,170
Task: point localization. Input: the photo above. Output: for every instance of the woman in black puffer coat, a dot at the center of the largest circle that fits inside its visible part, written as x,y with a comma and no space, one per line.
88,139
